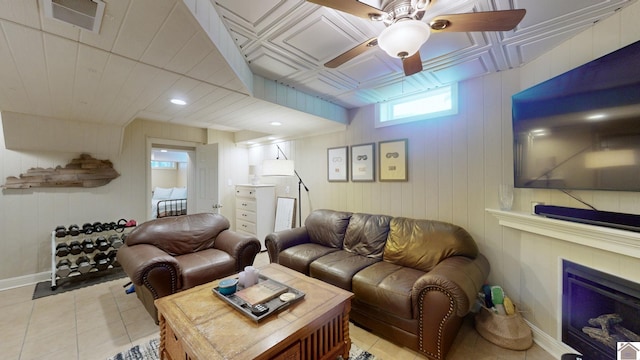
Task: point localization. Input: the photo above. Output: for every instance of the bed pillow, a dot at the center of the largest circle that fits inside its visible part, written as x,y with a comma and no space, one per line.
162,193
179,193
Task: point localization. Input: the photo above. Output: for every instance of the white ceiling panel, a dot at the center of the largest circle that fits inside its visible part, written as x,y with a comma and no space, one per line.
148,51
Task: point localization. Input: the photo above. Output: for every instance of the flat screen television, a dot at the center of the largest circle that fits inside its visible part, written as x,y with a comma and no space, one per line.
581,130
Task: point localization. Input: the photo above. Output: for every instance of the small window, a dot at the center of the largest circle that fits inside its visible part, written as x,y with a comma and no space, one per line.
163,164
442,101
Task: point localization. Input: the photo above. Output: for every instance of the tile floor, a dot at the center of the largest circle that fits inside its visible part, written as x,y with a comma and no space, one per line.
99,321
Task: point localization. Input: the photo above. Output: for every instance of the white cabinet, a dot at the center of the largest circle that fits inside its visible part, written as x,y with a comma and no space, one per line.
255,210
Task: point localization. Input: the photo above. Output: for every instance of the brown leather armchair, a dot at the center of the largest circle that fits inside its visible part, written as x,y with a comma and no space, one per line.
168,255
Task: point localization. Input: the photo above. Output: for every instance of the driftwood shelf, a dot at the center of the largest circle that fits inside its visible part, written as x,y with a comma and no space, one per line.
84,171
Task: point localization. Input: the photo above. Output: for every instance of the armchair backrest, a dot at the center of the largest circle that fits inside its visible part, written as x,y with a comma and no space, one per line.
180,234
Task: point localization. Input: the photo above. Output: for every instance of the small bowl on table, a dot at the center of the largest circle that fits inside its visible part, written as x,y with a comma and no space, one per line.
228,286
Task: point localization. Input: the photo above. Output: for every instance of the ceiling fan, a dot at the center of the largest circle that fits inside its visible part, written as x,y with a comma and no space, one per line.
405,32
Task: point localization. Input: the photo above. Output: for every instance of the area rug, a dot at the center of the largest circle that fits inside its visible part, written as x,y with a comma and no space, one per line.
149,351
43,289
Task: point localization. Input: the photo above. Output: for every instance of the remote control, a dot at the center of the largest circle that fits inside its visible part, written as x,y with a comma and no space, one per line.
259,309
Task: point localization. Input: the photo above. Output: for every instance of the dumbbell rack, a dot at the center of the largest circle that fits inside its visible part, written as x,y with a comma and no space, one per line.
90,266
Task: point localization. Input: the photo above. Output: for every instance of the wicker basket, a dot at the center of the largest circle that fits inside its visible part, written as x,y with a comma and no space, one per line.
507,331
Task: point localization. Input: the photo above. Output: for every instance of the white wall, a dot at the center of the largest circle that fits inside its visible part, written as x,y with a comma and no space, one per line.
28,216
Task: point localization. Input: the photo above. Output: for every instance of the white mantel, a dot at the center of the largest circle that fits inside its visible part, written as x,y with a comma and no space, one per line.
614,240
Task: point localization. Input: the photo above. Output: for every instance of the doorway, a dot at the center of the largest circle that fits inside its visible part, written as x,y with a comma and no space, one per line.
195,172
170,178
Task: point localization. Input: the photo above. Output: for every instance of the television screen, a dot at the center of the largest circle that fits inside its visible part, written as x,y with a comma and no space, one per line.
581,129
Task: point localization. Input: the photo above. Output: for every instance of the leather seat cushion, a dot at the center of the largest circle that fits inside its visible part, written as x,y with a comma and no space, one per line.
337,268
299,257
388,287
205,266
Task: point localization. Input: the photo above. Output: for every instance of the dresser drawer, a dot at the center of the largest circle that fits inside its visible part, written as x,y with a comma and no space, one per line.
246,215
246,193
246,227
246,204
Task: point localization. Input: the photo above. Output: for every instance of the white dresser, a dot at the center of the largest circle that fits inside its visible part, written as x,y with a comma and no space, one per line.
255,210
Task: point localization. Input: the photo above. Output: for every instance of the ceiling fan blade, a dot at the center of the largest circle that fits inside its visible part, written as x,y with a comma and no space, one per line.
352,7
503,20
350,54
412,64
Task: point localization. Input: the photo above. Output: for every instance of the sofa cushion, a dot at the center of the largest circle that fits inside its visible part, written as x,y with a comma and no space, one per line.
337,268
387,287
367,234
179,235
422,244
205,266
299,257
327,227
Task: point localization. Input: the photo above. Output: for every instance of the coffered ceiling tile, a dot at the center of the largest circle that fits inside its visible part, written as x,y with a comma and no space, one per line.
304,39
445,44
470,68
368,67
271,67
250,13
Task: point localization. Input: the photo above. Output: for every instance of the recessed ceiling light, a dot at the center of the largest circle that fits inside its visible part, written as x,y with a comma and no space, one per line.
163,150
276,123
178,101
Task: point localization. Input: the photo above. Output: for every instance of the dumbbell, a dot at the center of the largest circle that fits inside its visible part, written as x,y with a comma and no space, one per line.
87,246
84,264
74,230
87,228
75,248
113,260
63,268
97,226
61,231
62,249
115,241
101,261
102,243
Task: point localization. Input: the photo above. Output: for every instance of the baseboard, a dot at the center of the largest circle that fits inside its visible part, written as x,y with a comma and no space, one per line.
553,346
6,284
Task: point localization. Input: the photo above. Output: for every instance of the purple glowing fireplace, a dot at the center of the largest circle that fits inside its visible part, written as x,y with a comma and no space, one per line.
598,311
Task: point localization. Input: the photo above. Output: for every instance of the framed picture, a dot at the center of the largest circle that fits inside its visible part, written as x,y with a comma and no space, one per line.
363,162
337,165
393,160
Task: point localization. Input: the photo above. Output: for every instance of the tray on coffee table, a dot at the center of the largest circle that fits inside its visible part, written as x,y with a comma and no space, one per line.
273,302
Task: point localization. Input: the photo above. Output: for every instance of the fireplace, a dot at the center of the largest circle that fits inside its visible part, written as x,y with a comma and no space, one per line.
599,311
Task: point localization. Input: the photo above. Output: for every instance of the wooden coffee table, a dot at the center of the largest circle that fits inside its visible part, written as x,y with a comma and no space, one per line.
196,324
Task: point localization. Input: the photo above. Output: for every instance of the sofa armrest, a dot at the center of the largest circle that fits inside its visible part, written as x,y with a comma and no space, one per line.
281,240
461,277
152,267
241,247
442,297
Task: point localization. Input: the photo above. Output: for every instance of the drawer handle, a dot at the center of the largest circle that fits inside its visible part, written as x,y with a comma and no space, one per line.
244,226
245,215
244,204
175,337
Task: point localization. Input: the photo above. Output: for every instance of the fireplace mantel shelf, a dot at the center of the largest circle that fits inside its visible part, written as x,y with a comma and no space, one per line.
614,240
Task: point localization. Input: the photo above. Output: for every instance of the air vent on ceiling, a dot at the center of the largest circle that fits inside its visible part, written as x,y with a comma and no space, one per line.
86,14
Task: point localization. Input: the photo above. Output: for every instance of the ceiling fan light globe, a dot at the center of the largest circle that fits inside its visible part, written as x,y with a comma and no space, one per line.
404,38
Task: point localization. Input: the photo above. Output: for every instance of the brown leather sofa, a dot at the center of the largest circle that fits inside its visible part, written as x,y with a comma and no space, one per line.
168,255
413,280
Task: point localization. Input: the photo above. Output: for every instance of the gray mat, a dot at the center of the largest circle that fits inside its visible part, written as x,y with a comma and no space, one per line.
76,282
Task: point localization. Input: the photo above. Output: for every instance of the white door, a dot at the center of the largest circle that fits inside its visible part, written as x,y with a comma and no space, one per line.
206,181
